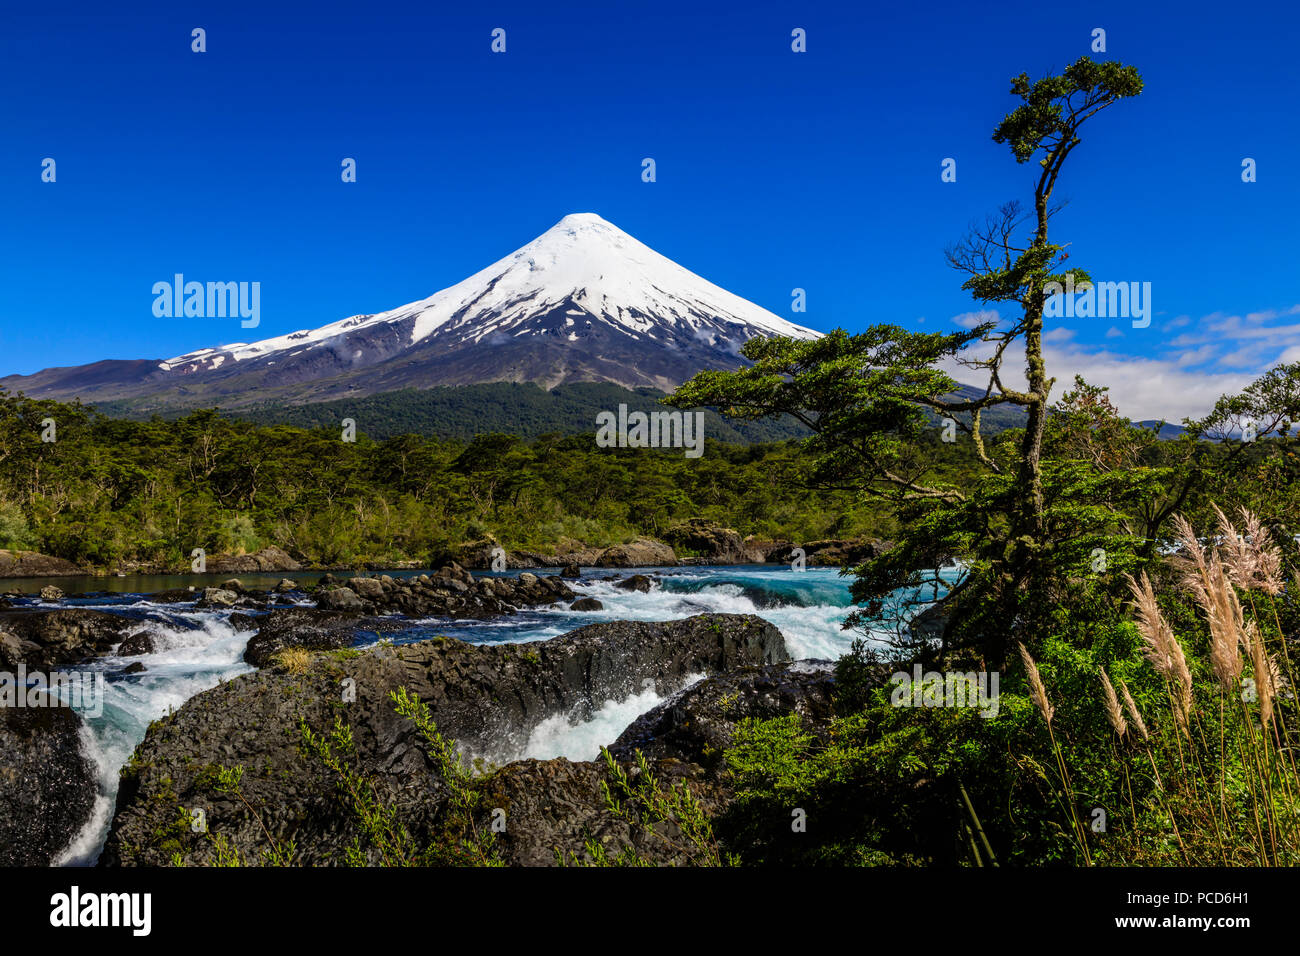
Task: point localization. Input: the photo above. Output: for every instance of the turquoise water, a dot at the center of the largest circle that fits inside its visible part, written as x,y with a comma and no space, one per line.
197,648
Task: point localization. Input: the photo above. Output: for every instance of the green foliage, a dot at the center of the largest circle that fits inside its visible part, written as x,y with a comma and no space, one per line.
464,411
671,817
112,491
462,841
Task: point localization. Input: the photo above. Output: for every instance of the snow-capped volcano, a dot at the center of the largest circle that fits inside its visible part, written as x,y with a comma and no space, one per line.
584,301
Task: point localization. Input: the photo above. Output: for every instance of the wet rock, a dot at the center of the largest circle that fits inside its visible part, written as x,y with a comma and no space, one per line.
586,604
637,582
48,639
217,597
697,724
307,628
51,593
487,697
174,596
47,785
571,571
142,642
242,622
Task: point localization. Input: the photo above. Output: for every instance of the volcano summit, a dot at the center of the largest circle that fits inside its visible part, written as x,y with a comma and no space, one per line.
583,302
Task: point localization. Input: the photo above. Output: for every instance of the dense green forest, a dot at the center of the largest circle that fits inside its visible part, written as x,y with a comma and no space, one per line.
107,491
524,409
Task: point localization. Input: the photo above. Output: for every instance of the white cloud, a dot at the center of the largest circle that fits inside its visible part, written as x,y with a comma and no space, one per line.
968,320
1140,387
1184,376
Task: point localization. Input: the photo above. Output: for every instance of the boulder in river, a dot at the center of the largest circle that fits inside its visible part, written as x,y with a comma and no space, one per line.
141,642
640,553
306,628
217,597
637,582
267,559
49,639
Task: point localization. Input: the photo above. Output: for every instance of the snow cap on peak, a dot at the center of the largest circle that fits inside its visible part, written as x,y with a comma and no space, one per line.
582,219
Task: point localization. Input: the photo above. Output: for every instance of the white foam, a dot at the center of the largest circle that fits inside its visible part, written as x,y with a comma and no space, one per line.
559,736
186,662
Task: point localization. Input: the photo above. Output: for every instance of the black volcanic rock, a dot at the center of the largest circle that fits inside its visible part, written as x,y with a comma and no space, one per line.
697,724
636,582
451,592
46,640
487,697
307,628
47,785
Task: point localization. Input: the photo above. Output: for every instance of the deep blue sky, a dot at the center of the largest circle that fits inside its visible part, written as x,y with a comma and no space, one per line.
775,170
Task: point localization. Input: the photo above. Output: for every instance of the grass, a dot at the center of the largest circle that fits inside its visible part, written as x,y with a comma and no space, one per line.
1224,788
294,661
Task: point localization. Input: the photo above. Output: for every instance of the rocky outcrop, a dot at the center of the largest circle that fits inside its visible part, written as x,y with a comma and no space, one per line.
829,552
487,697
305,628
640,553
697,724
45,640
451,592
267,559
141,642
712,544
637,582
557,805
47,785
32,564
